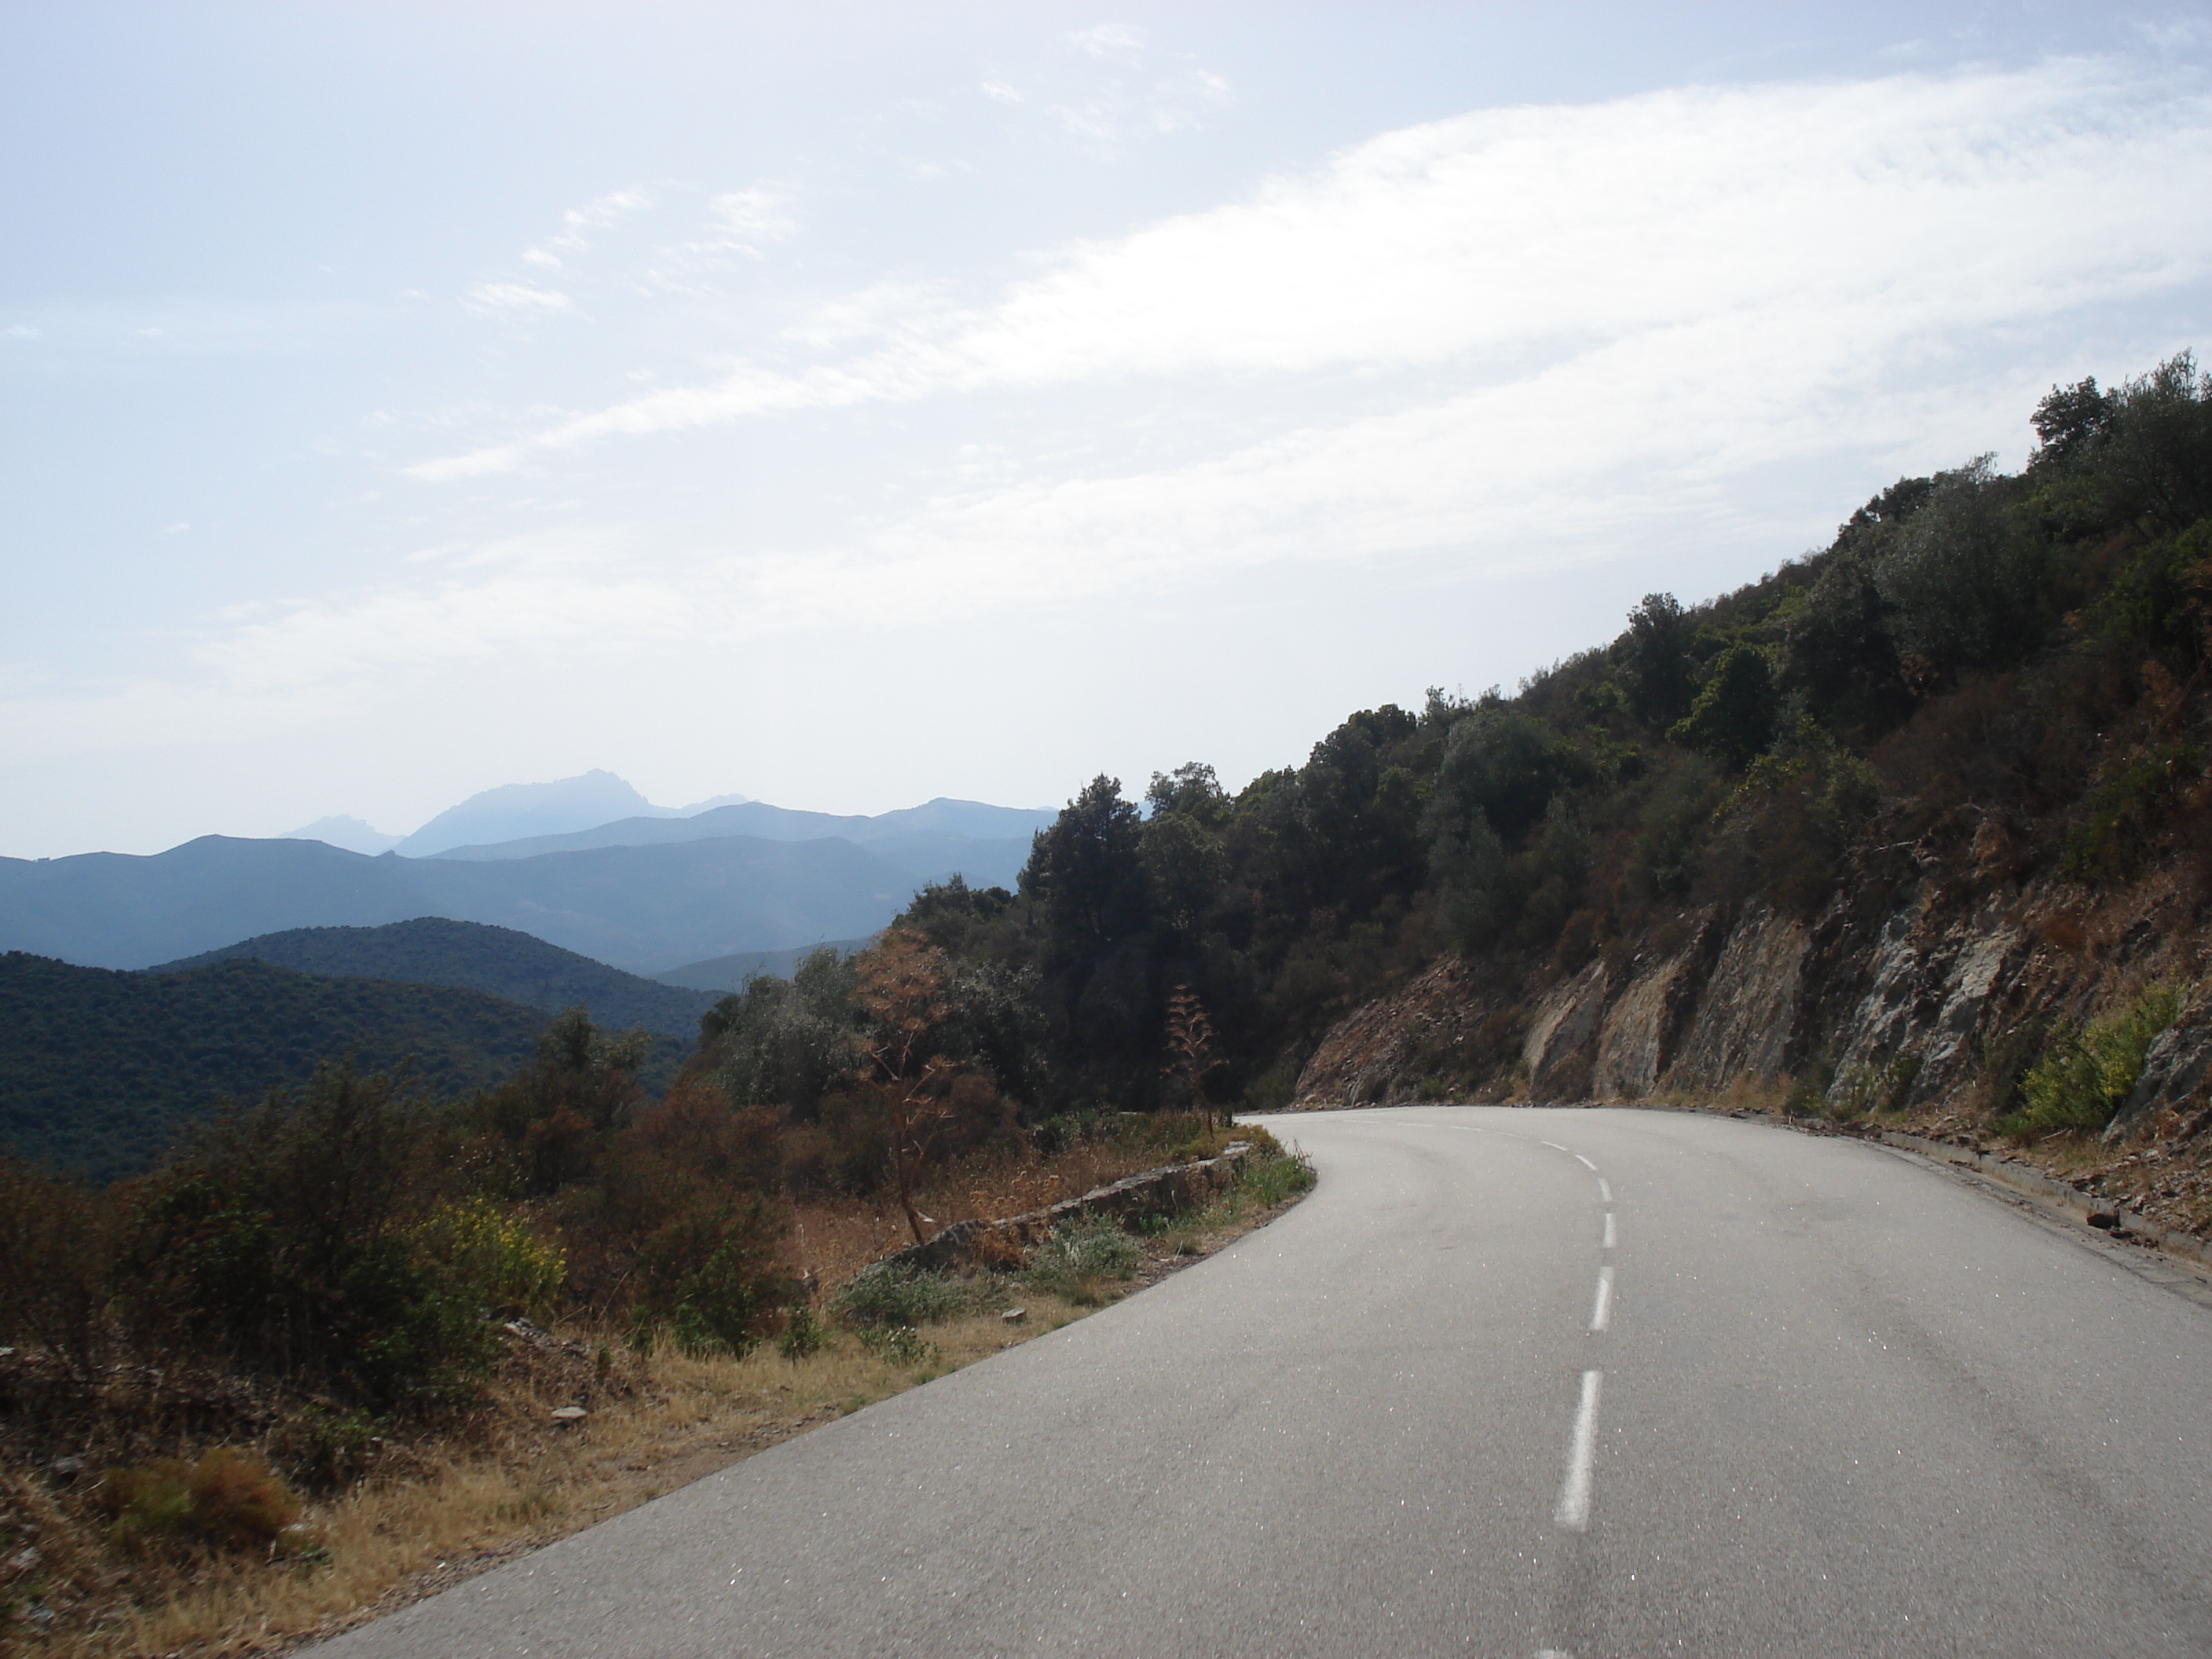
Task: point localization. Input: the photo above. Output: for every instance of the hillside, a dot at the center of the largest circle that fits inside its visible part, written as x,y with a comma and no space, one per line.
499,961
100,1066
722,974
1916,827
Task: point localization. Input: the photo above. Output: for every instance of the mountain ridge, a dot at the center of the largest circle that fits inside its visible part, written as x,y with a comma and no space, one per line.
640,909
502,962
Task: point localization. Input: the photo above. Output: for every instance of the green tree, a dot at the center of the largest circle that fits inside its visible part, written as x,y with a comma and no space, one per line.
785,1043
1836,650
1086,872
1191,790
1964,578
1733,718
1654,661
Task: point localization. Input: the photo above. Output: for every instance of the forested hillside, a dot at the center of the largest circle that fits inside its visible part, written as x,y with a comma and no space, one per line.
100,1066
517,966
1982,706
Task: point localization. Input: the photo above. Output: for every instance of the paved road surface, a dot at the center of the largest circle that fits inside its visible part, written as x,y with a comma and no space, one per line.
1593,1382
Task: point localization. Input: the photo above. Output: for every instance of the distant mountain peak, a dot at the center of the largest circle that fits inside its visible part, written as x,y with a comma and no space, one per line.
515,810
349,833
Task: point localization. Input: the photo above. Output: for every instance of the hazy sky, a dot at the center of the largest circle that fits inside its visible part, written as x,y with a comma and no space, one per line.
849,405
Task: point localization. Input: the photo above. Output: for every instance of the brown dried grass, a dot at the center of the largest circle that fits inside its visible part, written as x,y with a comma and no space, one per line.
454,1506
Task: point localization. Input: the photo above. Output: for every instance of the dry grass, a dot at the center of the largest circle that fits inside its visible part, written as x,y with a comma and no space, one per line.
455,1508
446,1505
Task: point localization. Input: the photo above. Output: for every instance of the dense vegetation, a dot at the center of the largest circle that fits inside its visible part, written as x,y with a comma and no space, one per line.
99,1067
2013,662
475,956
346,1250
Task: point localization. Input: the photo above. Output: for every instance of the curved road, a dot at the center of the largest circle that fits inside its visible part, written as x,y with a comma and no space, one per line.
1591,1382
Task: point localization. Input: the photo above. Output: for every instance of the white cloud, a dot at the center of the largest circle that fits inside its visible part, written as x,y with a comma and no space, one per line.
519,298
760,214
1109,40
1909,210
579,224
1533,336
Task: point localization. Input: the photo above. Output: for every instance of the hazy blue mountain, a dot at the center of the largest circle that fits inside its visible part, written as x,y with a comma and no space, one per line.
517,966
721,975
932,856
122,911
642,909
649,907
531,809
351,833
100,1068
924,834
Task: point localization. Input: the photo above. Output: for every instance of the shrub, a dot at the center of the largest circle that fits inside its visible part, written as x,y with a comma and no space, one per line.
284,1238
1867,1088
1809,1090
901,1345
2117,838
803,1335
324,1447
722,1305
1078,1255
2085,1075
490,1254
229,1499
56,1261
1271,1174
709,1269
888,1295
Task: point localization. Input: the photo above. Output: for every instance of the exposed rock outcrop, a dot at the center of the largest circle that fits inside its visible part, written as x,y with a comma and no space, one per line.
1898,994
1561,1044
1748,1011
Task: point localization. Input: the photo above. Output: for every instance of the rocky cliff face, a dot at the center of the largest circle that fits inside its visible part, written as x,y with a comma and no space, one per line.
1923,997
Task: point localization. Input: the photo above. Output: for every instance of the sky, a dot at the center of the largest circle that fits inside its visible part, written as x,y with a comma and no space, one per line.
849,405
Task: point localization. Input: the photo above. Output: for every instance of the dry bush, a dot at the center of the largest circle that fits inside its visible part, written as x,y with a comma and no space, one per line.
229,1498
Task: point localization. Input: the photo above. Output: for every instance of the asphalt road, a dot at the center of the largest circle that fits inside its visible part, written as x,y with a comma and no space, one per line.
1591,1382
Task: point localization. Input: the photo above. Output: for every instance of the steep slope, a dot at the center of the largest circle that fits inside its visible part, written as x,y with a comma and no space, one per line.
499,961
100,1068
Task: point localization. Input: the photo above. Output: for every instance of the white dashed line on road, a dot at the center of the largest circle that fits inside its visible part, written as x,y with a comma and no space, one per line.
1571,1513
1602,1312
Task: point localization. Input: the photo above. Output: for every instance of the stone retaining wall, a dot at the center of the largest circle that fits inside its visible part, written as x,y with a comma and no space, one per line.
1168,1190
